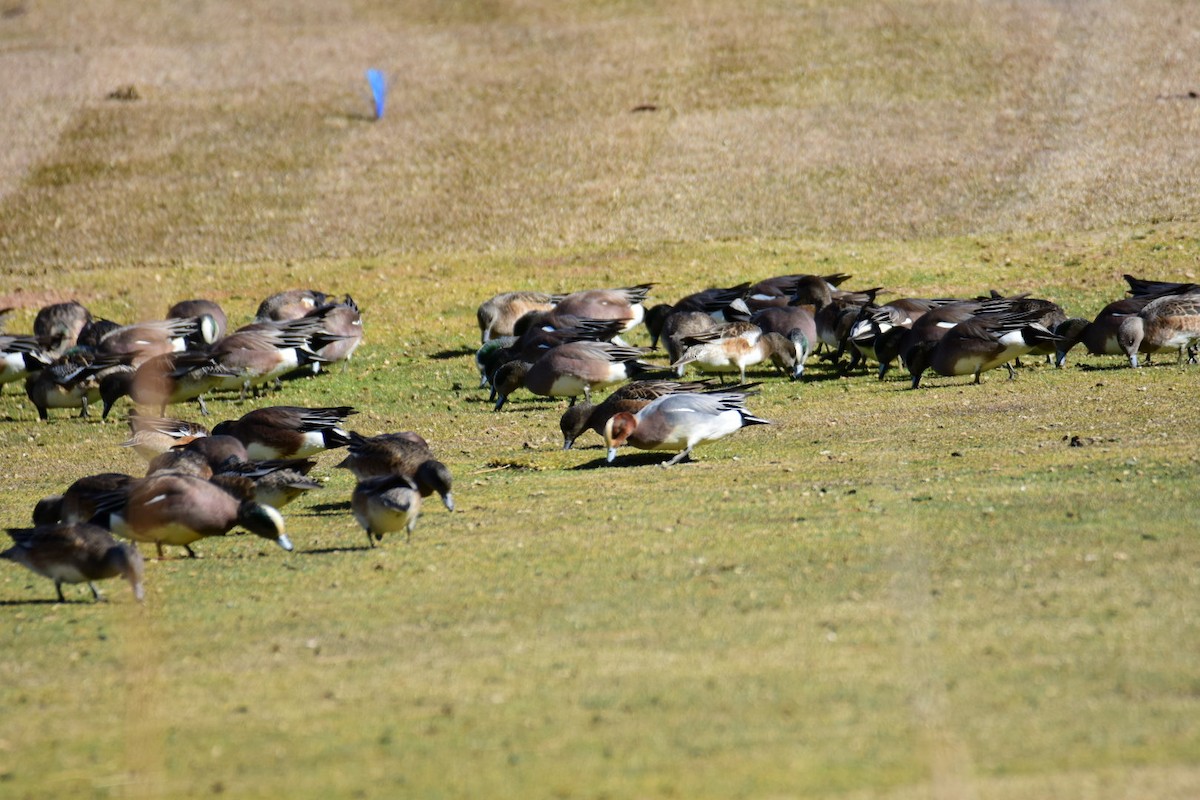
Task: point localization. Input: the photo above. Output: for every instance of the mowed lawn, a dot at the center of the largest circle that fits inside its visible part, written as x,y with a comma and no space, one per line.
956,592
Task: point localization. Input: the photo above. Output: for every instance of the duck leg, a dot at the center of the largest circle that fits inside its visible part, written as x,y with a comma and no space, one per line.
683,455
58,588
1012,373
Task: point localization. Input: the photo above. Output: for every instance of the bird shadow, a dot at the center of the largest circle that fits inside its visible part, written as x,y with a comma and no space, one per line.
631,460
325,509
46,601
454,352
325,551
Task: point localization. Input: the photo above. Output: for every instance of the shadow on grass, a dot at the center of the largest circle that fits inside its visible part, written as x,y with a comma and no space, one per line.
632,460
324,510
48,601
453,352
324,551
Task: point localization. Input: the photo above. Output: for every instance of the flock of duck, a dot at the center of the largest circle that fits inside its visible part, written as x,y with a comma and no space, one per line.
570,345
202,483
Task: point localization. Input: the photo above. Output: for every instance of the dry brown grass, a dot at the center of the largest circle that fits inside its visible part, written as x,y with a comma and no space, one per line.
513,126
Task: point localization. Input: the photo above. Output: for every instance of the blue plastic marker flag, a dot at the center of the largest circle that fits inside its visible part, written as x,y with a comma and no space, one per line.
379,89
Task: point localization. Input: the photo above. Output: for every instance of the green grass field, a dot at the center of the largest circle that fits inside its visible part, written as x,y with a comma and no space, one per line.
884,594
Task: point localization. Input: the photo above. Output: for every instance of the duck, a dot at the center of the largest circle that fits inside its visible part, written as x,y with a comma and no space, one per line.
875,321
683,325
796,324
1099,336
258,353
385,504
497,315
405,453
69,382
679,422
341,331
152,436
1168,322
76,552
288,431
783,290
535,340
632,397
979,344
570,370
712,302
179,510
57,326
137,343
275,483
20,357
735,346
82,500
289,305
212,322
625,305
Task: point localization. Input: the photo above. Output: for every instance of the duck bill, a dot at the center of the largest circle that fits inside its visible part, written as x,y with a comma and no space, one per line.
139,591
284,542
447,501
612,454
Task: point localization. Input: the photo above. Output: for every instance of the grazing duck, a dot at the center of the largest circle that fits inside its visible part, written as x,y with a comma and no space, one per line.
570,370
711,302
795,323
135,344
152,436
20,357
783,290
498,315
404,453
165,380
624,305
979,344
679,422
69,382
288,431
289,305
276,483
210,318
57,327
535,340
681,326
341,331
261,352
735,346
1099,336
632,397
76,552
82,500
174,509
1169,322
219,450
385,504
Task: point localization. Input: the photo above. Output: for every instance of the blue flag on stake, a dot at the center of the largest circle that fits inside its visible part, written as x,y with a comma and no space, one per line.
379,88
